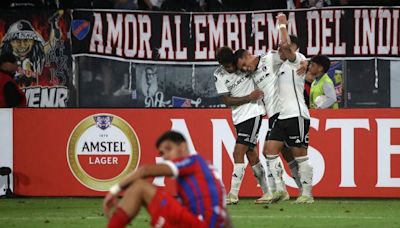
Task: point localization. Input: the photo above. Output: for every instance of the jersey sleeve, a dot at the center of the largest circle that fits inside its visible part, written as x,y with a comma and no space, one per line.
182,167
220,86
274,60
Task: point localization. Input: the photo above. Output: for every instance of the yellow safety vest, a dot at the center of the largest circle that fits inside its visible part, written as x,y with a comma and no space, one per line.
317,89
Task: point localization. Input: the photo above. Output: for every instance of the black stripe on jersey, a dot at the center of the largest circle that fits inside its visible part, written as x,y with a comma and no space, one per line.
259,60
295,92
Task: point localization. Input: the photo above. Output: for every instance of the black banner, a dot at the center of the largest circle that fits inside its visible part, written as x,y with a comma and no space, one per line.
113,83
188,38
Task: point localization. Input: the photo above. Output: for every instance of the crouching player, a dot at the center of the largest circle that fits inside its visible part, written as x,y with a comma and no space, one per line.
201,192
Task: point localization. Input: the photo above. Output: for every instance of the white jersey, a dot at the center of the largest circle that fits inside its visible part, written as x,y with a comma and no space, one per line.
266,79
291,90
238,85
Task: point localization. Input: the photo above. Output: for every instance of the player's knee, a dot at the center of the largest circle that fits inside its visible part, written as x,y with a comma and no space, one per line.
273,147
269,149
287,154
264,151
240,150
299,151
252,156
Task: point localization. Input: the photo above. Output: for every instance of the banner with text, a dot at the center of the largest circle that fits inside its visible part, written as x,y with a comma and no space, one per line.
188,38
40,42
83,152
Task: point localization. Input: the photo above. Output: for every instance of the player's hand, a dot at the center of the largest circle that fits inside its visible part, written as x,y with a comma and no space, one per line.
256,95
281,18
109,202
303,67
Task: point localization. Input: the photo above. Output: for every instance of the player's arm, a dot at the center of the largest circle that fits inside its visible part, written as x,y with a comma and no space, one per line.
145,172
329,92
285,39
166,169
236,101
285,44
111,199
303,68
228,100
288,52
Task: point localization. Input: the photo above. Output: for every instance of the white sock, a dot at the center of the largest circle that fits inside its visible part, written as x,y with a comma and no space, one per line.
294,168
259,173
271,182
306,175
237,177
276,168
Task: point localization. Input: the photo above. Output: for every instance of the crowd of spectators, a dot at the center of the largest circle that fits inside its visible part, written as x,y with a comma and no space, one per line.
193,5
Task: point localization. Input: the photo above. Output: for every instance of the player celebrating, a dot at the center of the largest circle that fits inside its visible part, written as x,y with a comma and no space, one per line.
238,91
201,192
264,72
293,122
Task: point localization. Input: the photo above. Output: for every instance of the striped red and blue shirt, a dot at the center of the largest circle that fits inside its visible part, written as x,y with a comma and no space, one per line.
200,189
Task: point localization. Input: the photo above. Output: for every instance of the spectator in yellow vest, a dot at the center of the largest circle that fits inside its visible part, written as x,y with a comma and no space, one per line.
322,94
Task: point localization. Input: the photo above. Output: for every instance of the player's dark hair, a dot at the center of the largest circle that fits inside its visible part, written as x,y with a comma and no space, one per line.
294,39
323,61
225,55
239,54
172,136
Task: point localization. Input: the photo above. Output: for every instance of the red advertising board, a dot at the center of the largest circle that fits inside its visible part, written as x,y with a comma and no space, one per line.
67,152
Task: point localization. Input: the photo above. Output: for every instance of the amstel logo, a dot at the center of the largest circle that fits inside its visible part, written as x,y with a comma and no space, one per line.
102,149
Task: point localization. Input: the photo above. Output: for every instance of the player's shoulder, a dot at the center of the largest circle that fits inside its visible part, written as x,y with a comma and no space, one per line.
269,54
220,72
274,55
185,161
264,57
272,52
300,56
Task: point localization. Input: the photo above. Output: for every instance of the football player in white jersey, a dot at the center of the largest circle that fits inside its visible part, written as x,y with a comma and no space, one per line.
264,70
291,127
238,91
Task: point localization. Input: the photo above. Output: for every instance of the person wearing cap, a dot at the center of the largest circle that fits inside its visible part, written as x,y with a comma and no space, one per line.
10,94
322,94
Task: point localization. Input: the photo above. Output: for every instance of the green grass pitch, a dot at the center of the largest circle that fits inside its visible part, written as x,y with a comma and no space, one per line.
87,212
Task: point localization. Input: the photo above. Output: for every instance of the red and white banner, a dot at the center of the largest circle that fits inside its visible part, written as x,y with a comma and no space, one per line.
80,152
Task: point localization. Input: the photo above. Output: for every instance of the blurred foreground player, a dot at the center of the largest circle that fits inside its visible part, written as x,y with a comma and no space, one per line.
201,192
237,90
